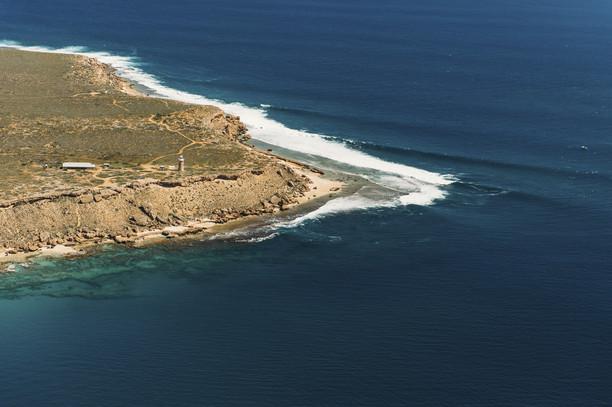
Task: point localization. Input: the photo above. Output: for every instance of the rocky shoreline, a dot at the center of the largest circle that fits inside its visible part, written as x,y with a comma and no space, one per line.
149,209
229,180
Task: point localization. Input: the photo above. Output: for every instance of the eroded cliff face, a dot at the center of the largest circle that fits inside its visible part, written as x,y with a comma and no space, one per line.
122,212
86,70
58,108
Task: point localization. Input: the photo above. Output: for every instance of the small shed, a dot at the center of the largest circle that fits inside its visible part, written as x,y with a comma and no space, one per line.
78,166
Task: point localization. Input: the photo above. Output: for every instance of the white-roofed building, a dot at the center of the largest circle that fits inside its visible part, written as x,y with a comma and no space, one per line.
78,166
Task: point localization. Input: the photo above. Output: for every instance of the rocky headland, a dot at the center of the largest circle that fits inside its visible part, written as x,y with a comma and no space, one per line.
63,108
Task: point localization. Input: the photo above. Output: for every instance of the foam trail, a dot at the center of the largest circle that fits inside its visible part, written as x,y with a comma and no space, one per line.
332,207
416,186
339,205
258,239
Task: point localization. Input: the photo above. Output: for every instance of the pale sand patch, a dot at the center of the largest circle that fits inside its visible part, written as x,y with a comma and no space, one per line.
57,251
20,257
320,187
131,90
191,227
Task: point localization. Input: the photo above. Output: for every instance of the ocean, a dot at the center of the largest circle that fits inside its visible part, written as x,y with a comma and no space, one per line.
478,273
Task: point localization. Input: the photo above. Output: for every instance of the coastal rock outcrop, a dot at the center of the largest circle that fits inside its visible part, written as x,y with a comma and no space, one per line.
27,225
58,108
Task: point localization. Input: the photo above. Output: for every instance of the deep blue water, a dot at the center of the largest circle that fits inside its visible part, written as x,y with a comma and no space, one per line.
498,295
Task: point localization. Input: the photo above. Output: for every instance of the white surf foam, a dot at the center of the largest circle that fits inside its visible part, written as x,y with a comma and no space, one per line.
414,186
258,239
340,205
335,206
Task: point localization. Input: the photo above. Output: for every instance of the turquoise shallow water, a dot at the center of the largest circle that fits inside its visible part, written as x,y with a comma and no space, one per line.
498,294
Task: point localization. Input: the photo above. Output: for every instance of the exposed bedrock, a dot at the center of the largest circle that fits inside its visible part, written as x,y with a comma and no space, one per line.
120,213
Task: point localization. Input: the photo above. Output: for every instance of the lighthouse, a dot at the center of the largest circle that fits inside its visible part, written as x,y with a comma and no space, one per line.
181,163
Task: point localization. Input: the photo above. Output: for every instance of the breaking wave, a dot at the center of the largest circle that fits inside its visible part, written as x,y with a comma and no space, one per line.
412,186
